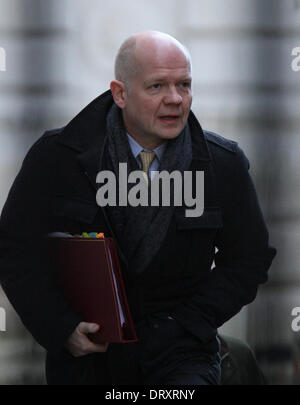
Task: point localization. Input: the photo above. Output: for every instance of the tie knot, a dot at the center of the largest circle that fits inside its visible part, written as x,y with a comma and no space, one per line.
146,159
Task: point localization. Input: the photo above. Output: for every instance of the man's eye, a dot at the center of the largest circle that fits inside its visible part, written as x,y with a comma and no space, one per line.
155,86
185,84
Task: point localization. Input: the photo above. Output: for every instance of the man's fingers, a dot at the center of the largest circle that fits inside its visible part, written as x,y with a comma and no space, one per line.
86,346
79,343
85,327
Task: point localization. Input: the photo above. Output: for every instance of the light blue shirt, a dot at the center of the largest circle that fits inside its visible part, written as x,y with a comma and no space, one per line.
136,148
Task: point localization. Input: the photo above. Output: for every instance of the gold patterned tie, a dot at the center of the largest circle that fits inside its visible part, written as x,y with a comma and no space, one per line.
147,159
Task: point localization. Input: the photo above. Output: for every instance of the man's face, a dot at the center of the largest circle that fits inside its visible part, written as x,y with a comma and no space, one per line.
158,102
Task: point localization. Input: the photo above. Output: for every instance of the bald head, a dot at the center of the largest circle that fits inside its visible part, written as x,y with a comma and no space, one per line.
138,47
153,87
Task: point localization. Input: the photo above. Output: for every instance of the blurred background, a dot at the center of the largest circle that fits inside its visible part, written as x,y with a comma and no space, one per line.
59,55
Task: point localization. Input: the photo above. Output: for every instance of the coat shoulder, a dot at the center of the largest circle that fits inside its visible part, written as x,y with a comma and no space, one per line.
225,152
44,141
52,132
220,142
43,150
49,136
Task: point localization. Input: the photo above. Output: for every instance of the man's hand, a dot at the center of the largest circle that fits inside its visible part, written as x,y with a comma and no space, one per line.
79,344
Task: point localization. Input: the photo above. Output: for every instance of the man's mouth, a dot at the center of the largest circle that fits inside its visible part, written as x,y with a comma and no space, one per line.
169,119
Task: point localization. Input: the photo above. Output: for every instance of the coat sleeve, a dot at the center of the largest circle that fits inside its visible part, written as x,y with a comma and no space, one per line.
241,262
24,274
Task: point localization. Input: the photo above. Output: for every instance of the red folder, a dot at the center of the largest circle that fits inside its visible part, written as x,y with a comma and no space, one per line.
89,273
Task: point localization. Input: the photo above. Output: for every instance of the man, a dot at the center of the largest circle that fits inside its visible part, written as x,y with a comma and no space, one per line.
176,300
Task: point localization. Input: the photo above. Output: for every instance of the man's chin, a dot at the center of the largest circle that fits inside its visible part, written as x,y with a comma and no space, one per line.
170,134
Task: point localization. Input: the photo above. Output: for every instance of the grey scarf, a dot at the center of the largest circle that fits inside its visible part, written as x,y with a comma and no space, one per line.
141,230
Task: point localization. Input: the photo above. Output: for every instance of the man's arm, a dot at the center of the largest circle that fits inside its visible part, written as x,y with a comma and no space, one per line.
242,261
24,274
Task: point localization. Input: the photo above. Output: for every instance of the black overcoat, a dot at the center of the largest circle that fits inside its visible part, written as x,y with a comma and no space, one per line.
55,190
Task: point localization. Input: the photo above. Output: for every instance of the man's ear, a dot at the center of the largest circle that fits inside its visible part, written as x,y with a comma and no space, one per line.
119,93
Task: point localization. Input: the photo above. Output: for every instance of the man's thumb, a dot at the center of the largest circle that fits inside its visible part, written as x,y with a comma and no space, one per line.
85,327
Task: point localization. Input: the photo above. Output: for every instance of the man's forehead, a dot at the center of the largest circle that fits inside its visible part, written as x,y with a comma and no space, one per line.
164,65
157,75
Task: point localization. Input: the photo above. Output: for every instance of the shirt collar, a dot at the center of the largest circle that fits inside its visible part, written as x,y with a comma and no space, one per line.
136,148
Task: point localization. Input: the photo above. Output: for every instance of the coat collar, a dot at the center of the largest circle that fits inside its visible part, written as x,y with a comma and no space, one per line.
86,135
88,127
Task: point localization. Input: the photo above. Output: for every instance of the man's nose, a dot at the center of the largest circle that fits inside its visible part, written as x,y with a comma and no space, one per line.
172,96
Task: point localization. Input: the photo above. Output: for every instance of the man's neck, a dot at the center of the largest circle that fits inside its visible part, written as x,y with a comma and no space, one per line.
147,144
